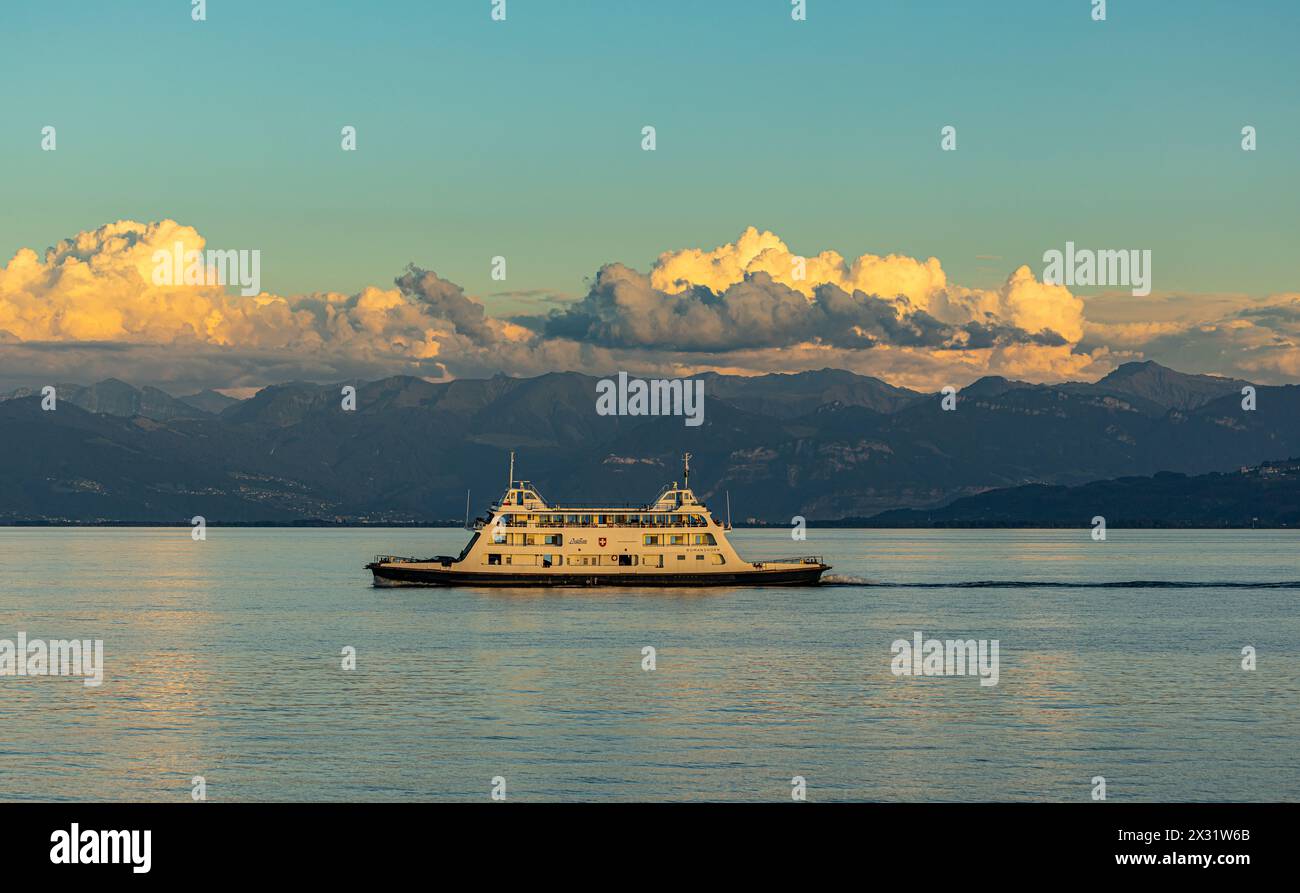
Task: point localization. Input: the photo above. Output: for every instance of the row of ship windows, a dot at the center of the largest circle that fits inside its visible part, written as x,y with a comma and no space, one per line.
550,520
552,560
649,539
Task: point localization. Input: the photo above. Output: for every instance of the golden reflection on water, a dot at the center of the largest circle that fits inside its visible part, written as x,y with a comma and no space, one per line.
222,660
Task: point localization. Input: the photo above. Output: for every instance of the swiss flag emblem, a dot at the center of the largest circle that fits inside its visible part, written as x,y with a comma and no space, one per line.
601,541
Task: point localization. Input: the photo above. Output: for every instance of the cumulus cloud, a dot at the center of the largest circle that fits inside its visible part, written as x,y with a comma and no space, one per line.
625,310
764,252
91,303
1231,335
910,284
88,308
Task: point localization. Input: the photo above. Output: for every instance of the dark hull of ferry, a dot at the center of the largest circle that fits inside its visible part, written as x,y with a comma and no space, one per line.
396,575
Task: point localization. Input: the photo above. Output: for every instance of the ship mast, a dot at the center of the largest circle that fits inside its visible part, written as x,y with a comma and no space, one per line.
686,471
512,470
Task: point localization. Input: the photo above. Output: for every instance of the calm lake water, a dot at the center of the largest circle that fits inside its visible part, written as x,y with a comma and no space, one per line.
222,659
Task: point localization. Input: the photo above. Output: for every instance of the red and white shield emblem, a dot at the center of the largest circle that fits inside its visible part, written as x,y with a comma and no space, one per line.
601,541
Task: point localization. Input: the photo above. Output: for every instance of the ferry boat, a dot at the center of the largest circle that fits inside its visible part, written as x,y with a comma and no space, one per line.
525,541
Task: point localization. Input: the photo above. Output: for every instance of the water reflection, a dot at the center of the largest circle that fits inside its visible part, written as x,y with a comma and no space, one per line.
223,659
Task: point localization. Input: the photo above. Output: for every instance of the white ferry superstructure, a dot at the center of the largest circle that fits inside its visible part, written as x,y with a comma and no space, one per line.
524,541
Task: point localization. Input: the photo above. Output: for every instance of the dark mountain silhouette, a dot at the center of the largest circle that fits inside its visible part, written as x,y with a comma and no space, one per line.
117,398
994,386
209,401
1264,496
1170,389
786,396
825,444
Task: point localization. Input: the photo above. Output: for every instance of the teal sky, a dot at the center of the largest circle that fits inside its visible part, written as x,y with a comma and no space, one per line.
479,138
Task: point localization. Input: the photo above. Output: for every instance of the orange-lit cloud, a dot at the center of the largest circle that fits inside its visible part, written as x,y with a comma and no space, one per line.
88,308
1023,301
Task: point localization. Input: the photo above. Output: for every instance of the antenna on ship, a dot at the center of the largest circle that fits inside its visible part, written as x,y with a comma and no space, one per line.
728,509
467,509
512,470
686,471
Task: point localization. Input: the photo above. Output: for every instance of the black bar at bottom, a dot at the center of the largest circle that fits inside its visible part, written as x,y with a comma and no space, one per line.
661,845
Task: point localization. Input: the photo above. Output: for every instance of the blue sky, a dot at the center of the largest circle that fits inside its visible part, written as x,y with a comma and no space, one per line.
522,138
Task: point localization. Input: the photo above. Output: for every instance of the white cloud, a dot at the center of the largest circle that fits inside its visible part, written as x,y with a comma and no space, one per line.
88,309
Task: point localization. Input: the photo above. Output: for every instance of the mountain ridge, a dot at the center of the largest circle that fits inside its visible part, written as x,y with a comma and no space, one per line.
821,444
1267,495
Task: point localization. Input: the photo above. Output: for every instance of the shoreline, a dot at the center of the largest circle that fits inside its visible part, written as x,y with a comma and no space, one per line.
851,524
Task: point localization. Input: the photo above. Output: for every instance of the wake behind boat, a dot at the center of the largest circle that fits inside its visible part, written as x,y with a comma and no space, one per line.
523,541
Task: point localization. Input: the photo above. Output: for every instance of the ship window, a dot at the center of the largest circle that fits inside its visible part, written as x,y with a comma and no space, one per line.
717,559
705,539
652,561
553,539
681,557
625,561
652,539
677,539
494,558
699,557
546,560
586,520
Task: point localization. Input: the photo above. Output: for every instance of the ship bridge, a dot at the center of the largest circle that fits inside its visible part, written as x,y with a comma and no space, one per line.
675,505
674,497
524,495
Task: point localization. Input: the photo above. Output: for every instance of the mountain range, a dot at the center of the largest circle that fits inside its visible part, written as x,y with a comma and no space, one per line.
1267,495
825,444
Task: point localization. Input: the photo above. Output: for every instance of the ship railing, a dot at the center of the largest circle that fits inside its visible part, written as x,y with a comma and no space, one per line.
641,524
797,559
395,559
587,504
